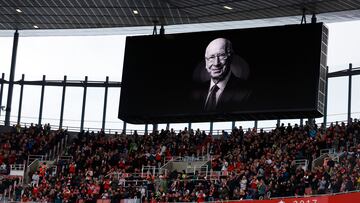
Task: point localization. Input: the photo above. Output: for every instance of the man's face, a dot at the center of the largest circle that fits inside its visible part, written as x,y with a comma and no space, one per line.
217,59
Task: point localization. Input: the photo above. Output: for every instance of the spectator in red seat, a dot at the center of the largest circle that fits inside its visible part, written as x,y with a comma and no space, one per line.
201,196
72,168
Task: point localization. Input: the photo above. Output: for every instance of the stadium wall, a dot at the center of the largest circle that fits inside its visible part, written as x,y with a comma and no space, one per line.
352,197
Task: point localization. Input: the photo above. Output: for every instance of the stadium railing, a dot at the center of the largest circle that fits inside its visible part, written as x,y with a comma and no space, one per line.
215,132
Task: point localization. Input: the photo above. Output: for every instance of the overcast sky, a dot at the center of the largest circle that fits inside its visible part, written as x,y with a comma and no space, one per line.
101,56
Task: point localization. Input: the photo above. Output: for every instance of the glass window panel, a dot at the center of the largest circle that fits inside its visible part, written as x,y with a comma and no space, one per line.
202,126
150,128
5,55
3,103
112,120
74,56
343,42
15,106
267,125
161,126
179,126
227,126
244,124
355,104
6,44
132,127
291,121
72,108
337,99
52,106
94,107
30,105
319,121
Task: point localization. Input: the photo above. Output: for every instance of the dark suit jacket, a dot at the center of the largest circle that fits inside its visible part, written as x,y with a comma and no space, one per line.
236,92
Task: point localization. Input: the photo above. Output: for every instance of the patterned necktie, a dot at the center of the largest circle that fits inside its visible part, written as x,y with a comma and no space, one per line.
211,102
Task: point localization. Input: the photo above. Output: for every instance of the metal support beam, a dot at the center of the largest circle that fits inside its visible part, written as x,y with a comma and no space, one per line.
233,125
278,122
105,102
189,126
168,126
62,103
124,127
83,105
349,94
72,83
146,128
11,80
301,122
256,125
311,121
345,72
326,96
2,90
42,99
211,127
155,127
21,98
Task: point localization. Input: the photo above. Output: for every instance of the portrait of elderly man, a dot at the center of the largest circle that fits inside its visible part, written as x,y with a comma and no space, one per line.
224,90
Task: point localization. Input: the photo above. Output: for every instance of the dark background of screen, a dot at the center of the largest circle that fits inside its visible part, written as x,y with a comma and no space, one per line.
284,66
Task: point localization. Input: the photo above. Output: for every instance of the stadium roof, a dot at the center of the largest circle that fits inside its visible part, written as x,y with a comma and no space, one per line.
84,14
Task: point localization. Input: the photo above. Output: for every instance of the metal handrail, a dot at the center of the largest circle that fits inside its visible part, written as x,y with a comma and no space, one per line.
65,158
153,170
18,167
319,159
304,163
215,133
192,158
327,151
32,158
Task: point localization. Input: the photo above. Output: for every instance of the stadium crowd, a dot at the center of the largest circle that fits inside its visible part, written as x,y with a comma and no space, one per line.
16,145
245,164
34,139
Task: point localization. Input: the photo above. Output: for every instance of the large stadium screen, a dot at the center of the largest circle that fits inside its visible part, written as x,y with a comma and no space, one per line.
244,74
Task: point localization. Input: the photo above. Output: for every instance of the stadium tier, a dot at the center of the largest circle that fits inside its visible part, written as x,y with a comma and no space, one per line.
305,162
